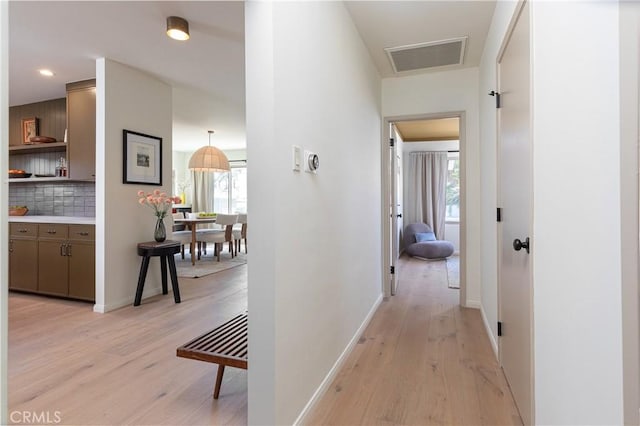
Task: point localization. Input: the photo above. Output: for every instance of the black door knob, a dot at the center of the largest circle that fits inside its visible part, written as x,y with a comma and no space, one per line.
519,245
399,215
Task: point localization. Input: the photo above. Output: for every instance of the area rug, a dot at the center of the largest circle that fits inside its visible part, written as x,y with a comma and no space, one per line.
208,264
453,271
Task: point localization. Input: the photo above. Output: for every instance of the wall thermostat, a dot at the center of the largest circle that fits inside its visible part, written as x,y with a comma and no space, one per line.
312,162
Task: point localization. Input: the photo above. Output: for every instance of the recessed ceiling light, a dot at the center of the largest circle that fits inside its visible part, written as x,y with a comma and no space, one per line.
46,73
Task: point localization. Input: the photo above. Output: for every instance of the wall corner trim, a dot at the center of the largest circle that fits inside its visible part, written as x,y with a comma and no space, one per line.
338,364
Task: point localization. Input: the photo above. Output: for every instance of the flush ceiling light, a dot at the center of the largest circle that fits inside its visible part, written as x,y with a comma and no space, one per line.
209,159
46,73
177,28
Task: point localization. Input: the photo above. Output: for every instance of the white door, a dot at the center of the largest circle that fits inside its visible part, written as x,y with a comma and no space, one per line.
514,159
393,207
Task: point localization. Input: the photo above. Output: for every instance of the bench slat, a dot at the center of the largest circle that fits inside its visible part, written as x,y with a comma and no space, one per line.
224,345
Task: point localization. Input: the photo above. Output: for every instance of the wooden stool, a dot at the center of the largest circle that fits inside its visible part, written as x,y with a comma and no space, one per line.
166,250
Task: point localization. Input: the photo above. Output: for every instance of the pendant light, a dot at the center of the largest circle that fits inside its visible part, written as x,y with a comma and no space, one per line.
209,159
177,28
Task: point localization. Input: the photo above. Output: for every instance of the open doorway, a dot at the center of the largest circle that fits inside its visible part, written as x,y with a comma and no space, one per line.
438,135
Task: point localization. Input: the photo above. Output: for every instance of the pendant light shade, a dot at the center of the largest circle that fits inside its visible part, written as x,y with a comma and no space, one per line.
177,28
209,159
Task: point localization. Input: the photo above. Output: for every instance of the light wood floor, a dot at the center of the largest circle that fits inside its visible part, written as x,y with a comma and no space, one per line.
423,360
121,367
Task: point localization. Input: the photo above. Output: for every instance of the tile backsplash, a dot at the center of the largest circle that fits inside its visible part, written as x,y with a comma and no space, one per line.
55,198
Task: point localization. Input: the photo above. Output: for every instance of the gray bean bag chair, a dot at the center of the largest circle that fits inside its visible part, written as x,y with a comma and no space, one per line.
420,241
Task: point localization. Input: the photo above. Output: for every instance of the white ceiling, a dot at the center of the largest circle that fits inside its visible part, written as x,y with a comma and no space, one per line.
207,72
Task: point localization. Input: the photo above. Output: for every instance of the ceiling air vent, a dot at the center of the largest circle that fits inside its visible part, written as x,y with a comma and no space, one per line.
427,55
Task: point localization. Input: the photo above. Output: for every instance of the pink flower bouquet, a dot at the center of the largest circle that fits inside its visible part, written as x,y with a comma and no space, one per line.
158,201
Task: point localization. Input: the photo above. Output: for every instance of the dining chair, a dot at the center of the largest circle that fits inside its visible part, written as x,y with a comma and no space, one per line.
184,237
221,236
240,232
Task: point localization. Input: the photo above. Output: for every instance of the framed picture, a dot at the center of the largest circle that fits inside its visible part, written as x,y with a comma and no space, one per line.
142,155
29,129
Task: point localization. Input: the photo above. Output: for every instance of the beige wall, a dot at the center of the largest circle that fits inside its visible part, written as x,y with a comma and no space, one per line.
126,99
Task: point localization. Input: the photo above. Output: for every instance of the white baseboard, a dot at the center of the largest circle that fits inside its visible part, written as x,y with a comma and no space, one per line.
492,338
338,364
148,292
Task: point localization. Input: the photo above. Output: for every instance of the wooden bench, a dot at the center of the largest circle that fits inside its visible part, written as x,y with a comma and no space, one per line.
224,345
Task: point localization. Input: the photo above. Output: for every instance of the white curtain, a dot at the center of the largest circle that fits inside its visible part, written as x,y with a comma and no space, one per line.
202,196
427,186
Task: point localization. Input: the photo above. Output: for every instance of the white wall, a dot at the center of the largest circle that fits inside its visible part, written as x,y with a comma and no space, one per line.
126,99
4,201
451,229
450,91
630,100
310,287
576,176
488,137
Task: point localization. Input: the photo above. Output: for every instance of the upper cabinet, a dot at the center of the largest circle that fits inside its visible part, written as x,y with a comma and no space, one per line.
81,133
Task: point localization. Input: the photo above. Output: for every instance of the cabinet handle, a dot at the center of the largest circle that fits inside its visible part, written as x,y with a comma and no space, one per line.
83,233
69,250
10,246
61,249
52,231
22,231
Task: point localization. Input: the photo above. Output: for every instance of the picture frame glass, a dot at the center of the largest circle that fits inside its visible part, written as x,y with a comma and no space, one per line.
142,158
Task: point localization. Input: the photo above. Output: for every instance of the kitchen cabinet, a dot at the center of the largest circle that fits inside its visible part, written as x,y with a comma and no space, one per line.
81,130
82,262
53,259
53,265
23,256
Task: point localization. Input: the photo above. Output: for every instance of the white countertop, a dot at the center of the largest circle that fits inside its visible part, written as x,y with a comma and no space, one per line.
79,220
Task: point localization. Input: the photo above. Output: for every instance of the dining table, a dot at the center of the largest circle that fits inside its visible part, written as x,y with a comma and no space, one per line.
192,224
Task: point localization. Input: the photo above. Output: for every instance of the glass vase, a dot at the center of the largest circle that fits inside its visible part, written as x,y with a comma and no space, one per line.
160,233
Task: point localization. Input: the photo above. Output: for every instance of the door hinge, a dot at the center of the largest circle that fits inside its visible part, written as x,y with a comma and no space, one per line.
392,142
393,270
499,328
498,214
497,95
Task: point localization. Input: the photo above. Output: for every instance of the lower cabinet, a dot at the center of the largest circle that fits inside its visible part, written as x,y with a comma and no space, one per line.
63,261
82,270
23,256
53,268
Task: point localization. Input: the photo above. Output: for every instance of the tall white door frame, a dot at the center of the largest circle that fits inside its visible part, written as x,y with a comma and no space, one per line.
387,181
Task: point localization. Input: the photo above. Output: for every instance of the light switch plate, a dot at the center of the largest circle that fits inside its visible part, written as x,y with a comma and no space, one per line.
297,157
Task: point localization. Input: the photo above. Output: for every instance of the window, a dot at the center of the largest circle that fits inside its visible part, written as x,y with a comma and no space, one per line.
453,188
230,191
